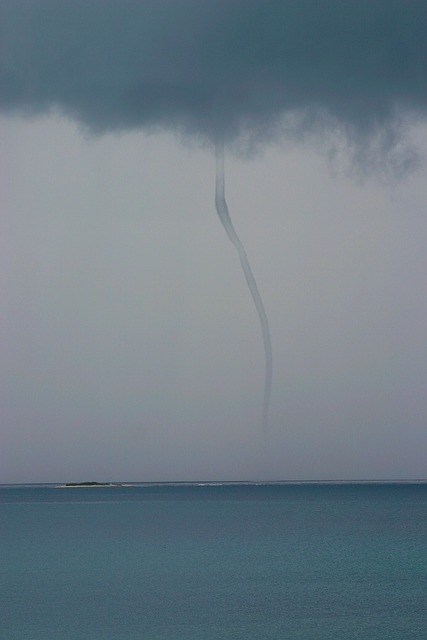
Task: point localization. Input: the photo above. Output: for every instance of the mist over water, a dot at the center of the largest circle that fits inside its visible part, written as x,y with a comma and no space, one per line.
224,216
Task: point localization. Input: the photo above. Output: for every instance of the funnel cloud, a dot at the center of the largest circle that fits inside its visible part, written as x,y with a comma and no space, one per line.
224,216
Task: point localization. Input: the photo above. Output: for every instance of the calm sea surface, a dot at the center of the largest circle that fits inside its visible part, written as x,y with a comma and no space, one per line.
241,562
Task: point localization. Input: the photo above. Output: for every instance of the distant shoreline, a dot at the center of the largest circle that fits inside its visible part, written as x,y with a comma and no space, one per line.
219,483
85,485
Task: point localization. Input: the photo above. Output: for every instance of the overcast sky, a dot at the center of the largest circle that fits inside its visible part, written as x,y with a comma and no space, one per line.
130,346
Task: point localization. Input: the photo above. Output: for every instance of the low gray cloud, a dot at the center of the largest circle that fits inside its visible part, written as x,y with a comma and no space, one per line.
241,68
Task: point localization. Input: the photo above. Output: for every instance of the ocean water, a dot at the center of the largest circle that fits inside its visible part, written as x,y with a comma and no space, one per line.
230,562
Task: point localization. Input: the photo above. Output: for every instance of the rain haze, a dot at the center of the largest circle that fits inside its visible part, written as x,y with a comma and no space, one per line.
130,345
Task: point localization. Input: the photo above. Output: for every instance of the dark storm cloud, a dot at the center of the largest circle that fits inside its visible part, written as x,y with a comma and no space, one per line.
217,66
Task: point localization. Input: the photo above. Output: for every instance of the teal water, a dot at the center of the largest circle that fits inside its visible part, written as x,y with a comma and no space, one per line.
240,562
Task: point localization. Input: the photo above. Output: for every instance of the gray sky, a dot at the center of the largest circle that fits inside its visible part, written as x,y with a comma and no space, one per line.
130,347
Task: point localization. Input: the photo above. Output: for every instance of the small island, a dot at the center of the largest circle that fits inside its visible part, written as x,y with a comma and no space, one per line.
92,484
